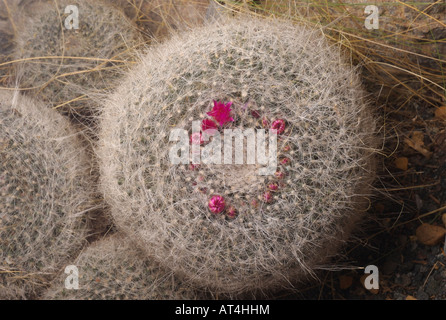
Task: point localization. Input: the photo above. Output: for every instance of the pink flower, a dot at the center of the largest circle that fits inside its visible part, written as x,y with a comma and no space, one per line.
221,112
208,124
217,204
285,161
232,212
196,138
267,197
273,187
279,125
279,174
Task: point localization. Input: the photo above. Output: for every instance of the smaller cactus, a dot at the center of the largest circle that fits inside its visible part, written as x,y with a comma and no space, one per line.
113,269
104,33
45,189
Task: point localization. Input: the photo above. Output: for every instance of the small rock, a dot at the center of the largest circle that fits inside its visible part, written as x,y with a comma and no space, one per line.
429,234
439,277
432,287
405,280
421,295
424,269
398,296
435,250
402,163
407,266
418,277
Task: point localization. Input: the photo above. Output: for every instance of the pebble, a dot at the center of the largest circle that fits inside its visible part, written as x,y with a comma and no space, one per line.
389,266
406,280
407,266
430,235
421,295
399,296
432,287
424,269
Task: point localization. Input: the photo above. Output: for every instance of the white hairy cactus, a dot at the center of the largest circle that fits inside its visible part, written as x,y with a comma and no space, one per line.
89,55
45,191
114,269
221,226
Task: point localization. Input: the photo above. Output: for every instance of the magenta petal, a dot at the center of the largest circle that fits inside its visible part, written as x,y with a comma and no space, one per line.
279,125
221,112
216,204
208,124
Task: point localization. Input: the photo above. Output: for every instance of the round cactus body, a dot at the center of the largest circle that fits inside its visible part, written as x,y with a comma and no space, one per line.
233,227
89,40
113,269
44,192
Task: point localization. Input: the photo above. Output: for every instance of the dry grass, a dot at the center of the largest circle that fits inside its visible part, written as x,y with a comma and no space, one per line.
157,18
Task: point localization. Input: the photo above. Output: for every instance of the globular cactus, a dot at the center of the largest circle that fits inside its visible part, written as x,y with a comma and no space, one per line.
225,227
114,269
44,194
95,52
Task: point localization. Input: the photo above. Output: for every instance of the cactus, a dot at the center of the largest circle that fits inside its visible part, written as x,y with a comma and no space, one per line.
44,192
225,227
104,33
113,269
